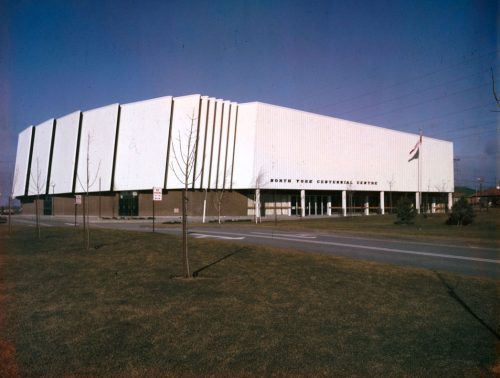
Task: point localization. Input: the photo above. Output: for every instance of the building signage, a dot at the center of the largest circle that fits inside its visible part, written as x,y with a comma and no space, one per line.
78,199
157,194
308,181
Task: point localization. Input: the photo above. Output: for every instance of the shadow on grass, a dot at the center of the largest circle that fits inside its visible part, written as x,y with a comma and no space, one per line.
451,293
197,272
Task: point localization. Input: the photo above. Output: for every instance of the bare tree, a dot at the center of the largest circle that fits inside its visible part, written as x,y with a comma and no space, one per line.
259,182
391,185
37,184
220,194
86,186
13,182
494,90
183,167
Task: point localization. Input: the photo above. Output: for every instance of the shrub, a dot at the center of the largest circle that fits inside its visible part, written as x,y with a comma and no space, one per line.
461,214
405,211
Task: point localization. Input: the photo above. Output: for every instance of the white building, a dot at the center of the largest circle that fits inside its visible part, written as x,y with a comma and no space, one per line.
268,158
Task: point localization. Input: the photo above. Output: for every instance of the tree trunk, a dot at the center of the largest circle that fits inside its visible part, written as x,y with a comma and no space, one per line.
37,216
184,234
10,211
87,233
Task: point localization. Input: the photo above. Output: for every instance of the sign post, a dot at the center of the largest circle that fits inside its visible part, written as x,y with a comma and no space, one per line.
78,201
157,196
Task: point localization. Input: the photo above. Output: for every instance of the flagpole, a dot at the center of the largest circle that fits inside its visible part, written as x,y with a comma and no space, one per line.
420,176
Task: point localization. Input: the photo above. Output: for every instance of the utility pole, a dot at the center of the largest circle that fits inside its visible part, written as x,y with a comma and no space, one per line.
478,195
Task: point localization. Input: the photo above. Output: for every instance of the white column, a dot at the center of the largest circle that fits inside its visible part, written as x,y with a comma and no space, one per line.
382,203
450,200
417,202
367,206
302,203
344,203
204,210
257,205
329,206
433,206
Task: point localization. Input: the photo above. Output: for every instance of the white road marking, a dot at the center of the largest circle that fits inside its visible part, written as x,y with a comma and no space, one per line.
392,250
32,222
406,241
202,236
300,236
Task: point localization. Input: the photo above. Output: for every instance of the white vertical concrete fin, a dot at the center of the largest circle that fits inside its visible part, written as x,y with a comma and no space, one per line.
382,203
344,203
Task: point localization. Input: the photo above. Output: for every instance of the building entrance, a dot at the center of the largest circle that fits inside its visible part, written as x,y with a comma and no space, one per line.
315,205
47,205
128,204
295,204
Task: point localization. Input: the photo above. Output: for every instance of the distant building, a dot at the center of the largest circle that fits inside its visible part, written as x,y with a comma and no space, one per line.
486,198
268,158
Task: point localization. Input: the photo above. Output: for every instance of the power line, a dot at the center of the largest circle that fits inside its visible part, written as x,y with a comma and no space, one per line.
423,102
445,115
406,81
438,133
414,62
412,93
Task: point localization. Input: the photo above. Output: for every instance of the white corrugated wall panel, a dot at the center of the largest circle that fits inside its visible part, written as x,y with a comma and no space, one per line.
309,151
222,167
216,138
200,144
22,161
41,157
141,154
208,152
184,119
64,154
244,174
97,137
230,146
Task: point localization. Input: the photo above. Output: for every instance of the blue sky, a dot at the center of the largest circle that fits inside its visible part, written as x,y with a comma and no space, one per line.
403,65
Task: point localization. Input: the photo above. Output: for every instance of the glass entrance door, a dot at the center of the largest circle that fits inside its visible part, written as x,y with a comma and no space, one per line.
128,204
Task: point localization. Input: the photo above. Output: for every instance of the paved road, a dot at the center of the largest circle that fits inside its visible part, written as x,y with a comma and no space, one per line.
447,256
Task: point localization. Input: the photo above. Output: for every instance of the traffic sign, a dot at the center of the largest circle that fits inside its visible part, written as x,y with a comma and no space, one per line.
157,194
78,199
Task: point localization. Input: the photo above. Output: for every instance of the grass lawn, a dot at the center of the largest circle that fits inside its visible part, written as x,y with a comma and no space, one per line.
116,310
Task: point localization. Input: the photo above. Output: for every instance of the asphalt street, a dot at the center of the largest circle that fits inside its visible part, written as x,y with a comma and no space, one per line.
451,256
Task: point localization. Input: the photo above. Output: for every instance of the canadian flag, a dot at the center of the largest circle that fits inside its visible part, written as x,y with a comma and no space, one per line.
416,148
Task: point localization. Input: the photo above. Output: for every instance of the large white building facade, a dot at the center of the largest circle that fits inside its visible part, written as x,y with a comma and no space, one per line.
267,159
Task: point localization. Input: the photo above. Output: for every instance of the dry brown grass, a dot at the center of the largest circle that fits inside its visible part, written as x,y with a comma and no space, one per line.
116,311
